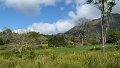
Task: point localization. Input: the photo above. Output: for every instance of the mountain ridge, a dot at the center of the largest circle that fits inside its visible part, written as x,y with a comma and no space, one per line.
93,26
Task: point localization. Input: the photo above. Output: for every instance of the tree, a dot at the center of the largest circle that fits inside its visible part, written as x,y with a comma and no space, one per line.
101,5
27,41
110,5
83,29
7,35
21,43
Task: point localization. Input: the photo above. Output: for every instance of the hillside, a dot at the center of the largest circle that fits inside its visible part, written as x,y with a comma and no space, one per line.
93,27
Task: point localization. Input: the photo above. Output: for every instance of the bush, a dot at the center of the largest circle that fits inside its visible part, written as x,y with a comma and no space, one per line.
113,37
44,46
1,41
117,47
92,41
118,42
57,41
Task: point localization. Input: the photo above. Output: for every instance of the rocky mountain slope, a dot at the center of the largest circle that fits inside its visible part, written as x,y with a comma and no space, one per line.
92,28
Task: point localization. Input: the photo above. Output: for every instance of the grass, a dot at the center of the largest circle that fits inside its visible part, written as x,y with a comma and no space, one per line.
75,49
82,48
80,57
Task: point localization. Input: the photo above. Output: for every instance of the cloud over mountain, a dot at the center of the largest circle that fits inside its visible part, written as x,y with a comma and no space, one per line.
48,28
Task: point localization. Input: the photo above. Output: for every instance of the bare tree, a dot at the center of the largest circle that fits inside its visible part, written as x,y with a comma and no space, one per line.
21,44
83,29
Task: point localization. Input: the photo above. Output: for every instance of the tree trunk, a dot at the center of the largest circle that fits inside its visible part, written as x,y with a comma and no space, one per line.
107,28
102,27
102,34
105,39
82,41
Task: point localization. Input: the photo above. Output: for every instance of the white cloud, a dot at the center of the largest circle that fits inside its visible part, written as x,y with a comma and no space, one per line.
63,26
45,28
88,11
85,11
60,26
20,31
48,2
71,14
80,2
68,2
75,1
28,6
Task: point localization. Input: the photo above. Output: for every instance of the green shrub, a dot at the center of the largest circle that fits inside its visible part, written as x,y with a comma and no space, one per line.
92,41
57,41
1,41
118,42
113,37
117,47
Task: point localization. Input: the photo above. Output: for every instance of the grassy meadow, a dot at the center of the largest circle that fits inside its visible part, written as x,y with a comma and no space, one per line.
75,57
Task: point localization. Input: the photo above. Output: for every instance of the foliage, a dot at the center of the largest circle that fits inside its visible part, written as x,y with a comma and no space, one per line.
113,37
118,42
93,41
33,34
1,41
57,41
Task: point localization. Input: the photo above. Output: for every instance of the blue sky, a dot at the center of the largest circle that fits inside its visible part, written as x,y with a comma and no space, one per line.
44,16
14,19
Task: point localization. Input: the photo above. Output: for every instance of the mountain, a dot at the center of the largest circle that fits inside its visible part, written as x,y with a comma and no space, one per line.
92,28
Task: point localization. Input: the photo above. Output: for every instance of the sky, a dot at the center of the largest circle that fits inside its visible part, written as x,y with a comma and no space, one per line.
45,16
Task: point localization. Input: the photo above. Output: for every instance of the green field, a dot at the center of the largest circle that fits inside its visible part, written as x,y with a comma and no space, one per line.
77,57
